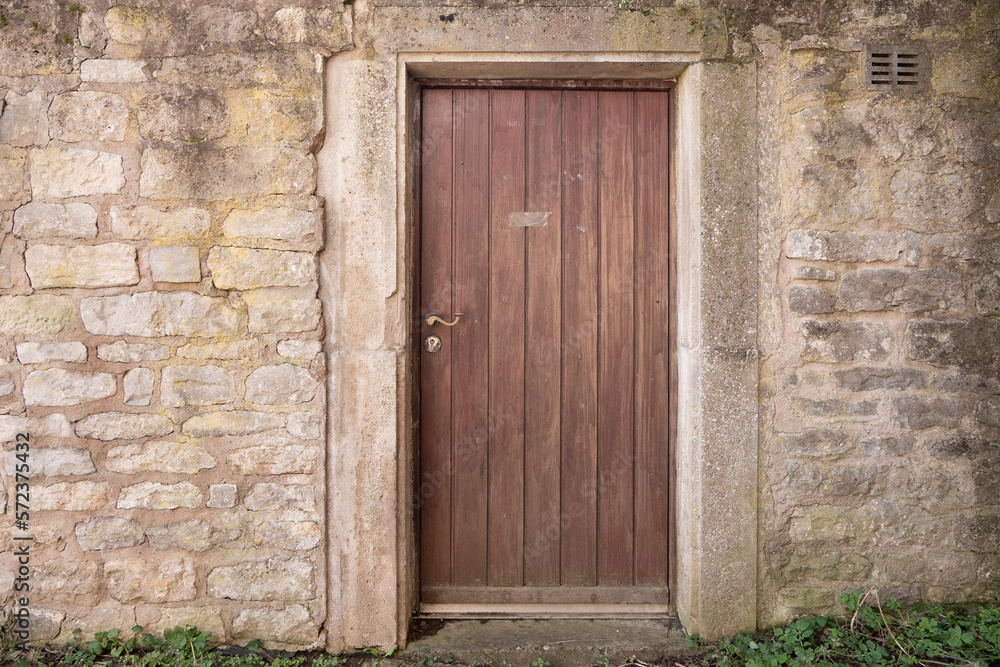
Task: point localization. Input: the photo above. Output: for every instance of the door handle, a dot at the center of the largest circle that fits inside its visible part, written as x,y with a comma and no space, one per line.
433,319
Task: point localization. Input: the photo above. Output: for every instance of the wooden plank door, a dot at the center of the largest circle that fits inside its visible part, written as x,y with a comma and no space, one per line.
544,418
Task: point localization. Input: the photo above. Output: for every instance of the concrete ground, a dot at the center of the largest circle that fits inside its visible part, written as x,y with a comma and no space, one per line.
558,642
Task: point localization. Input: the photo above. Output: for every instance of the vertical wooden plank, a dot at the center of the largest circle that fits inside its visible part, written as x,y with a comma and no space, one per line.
470,338
652,336
506,454
543,361
579,339
434,491
615,361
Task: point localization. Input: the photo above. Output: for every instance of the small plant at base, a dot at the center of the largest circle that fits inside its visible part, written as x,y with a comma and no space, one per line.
540,663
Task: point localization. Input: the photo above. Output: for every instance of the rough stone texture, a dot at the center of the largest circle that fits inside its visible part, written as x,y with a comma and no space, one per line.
973,345
282,223
928,201
235,422
299,349
107,532
175,264
73,352
292,625
273,460
88,116
193,118
191,534
274,579
815,273
877,445
290,535
123,352
123,426
106,265
151,314
112,71
36,314
268,496
54,461
843,246
813,478
807,300
205,619
137,386
286,383
304,425
71,496
917,413
282,310
47,221
196,385
54,425
60,387
66,581
45,624
913,290
146,222
137,581
867,378
157,496
845,341
248,269
222,496
75,172
159,456
817,442
242,349
21,120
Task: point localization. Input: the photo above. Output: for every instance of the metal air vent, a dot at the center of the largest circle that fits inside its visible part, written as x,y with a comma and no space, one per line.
896,68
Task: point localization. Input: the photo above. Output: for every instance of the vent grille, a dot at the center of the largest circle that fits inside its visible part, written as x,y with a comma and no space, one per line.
896,68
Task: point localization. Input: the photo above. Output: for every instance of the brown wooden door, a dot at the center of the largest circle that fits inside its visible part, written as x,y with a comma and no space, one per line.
544,420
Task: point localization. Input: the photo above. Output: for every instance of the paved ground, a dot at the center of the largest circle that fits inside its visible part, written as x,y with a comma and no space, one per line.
558,642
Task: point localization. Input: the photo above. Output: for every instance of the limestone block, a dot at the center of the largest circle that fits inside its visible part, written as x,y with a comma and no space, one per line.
979,533
810,300
35,314
814,273
249,268
21,121
838,342
237,349
843,567
175,264
290,535
159,456
112,71
57,386
157,496
71,496
272,222
11,173
205,171
988,412
829,480
805,598
103,618
152,314
76,172
124,352
910,289
45,624
205,619
913,253
289,68
867,378
7,385
73,352
275,579
930,568
190,534
6,280
817,442
323,27
987,290
199,116
270,385
879,445
288,626
833,407
931,202
268,496
108,532
916,413
282,310
222,496
138,386
47,221
273,460
221,25
135,581
106,265
68,581
197,385
281,116
88,116
54,426
973,344
838,196
843,246
299,349
304,425
146,222
235,422
134,25
123,426
54,461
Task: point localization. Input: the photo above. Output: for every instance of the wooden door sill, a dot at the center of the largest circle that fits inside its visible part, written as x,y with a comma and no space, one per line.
527,611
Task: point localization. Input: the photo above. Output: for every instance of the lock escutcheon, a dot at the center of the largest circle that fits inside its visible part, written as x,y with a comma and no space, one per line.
432,343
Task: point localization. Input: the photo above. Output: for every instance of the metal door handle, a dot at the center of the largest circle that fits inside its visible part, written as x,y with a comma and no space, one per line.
433,319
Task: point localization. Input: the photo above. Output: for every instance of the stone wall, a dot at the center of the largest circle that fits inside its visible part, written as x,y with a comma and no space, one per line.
160,332
880,251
